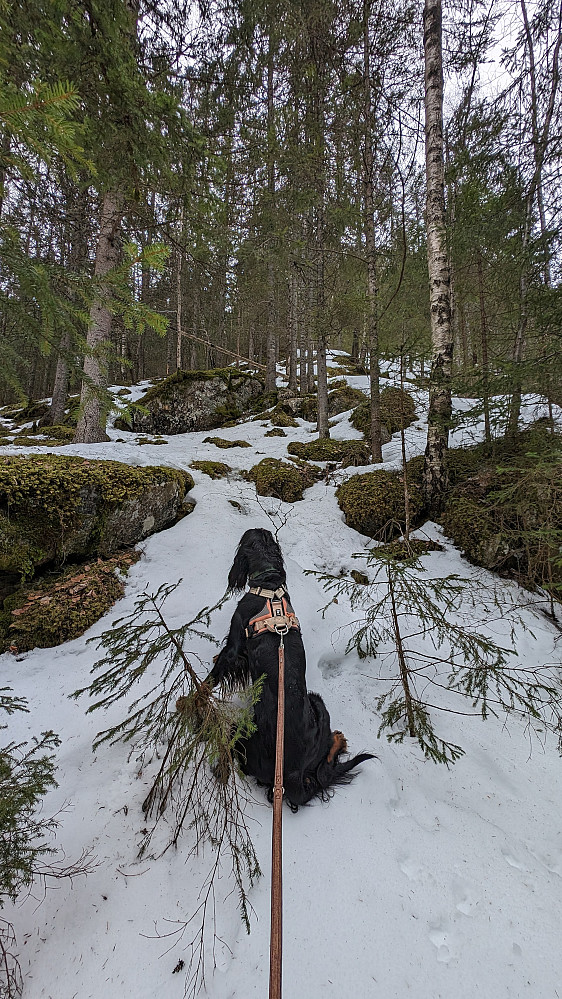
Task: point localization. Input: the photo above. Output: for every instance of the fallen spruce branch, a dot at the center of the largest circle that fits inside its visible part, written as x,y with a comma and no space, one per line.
193,729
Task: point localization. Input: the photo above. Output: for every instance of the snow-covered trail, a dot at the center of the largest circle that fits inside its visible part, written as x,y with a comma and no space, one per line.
414,881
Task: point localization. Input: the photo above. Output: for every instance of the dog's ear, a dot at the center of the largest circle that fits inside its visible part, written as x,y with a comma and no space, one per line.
238,575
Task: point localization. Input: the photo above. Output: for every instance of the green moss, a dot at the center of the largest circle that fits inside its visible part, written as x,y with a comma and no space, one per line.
470,524
72,410
21,548
275,432
165,388
63,607
214,469
308,408
507,515
414,470
282,416
226,415
40,498
395,405
403,551
275,478
373,503
45,481
29,414
346,452
221,442
45,436
262,403
341,397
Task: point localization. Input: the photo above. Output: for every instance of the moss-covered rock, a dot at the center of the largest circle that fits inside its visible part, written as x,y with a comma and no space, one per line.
396,405
276,478
45,436
194,400
53,507
214,469
404,551
282,416
308,408
470,525
373,504
223,443
507,515
64,606
345,452
275,432
30,413
341,397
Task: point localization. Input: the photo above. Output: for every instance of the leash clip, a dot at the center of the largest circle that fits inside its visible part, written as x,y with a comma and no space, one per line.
281,630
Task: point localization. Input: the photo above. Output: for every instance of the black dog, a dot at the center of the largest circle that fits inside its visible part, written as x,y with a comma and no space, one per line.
311,760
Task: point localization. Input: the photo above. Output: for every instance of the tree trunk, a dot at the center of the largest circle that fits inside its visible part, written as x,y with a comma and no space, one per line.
370,245
91,425
484,345
55,415
439,415
320,302
293,330
179,262
77,259
271,347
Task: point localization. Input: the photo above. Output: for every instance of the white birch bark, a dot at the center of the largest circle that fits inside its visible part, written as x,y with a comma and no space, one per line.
439,415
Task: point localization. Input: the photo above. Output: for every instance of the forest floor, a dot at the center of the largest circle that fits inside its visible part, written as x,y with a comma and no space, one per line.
415,881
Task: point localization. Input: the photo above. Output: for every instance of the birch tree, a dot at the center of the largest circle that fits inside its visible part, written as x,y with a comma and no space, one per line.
439,415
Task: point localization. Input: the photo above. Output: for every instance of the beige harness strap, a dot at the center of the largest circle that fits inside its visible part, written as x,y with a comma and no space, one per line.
268,594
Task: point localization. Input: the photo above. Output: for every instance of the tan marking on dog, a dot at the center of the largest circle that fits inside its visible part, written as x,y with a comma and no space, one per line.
339,745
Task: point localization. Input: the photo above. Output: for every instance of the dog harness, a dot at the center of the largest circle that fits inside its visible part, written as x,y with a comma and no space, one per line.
276,615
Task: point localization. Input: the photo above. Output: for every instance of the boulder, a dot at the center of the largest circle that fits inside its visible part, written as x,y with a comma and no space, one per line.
54,508
373,504
194,400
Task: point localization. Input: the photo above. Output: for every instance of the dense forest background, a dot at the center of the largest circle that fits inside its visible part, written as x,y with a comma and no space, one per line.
245,180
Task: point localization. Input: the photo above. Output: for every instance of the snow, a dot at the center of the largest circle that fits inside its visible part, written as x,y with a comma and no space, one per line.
413,881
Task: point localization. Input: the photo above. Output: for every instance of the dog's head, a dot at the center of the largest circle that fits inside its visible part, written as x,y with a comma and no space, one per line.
258,559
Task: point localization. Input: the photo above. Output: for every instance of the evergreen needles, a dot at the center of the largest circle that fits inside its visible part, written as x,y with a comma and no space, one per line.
435,646
26,774
197,784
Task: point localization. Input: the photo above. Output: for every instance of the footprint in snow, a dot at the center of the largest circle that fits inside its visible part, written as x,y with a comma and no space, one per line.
513,860
443,941
411,868
464,898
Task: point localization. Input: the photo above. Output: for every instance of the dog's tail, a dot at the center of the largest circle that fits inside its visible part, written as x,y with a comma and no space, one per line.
338,773
321,783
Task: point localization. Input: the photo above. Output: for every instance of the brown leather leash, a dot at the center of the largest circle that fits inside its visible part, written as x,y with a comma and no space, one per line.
276,939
